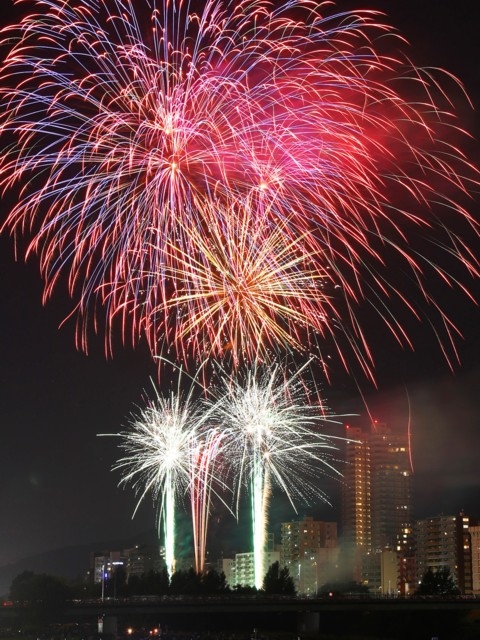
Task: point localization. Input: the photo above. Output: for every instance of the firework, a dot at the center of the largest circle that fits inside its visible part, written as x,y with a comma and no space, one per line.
168,454
272,438
206,475
245,289
258,429
129,127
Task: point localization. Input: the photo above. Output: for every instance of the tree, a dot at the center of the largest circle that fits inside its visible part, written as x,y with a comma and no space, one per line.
30,588
214,582
44,596
149,583
21,587
156,582
438,583
244,590
185,583
278,581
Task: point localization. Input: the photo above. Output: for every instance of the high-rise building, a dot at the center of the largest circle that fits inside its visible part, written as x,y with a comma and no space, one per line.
141,559
227,567
391,490
303,537
445,542
376,502
242,572
356,506
474,530
309,548
102,564
135,561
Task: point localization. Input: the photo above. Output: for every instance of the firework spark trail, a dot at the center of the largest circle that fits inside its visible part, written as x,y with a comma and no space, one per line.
206,475
132,125
272,438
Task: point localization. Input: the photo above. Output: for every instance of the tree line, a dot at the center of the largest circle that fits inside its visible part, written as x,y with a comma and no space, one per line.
51,592
29,588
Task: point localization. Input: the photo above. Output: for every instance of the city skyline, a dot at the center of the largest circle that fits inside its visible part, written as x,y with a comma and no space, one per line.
56,480
317,555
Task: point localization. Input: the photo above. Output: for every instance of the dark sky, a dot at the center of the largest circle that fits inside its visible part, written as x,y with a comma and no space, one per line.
56,487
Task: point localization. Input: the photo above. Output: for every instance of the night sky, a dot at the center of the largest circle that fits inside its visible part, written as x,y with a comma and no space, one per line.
56,486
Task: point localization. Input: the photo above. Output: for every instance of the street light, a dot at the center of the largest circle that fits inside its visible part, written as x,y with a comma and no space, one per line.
103,582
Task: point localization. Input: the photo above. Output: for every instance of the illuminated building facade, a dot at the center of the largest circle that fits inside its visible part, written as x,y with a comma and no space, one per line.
135,561
445,541
356,507
309,548
243,571
391,490
302,538
142,559
377,505
474,530
227,567
102,564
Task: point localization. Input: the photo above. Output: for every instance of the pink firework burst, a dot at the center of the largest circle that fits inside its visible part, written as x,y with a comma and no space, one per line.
198,177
